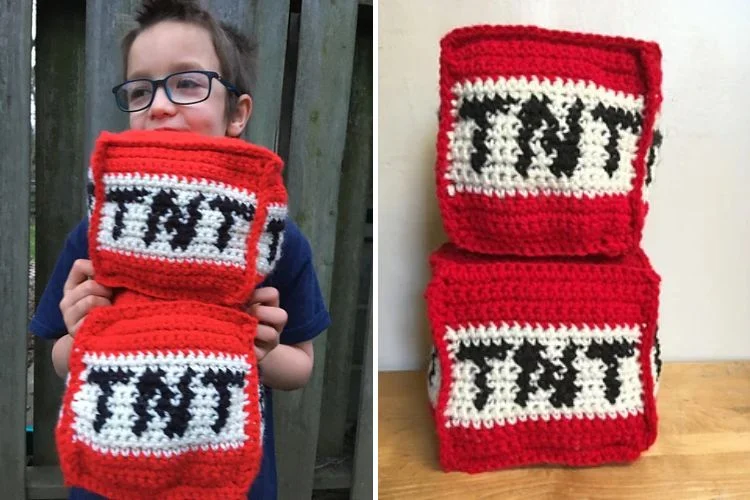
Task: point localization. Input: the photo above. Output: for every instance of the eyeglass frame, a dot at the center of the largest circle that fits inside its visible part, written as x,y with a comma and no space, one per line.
155,84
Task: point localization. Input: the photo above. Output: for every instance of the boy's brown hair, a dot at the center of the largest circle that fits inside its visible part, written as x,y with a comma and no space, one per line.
237,53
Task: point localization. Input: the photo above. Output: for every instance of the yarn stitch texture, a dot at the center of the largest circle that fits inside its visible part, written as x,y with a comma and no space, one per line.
545,360
163,394
547,140
169,205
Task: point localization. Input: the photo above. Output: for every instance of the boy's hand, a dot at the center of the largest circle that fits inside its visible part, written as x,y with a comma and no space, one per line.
81,294
264,305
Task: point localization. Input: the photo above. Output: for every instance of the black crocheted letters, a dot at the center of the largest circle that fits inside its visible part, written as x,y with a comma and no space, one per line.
164,214
558,136
539,371
171,402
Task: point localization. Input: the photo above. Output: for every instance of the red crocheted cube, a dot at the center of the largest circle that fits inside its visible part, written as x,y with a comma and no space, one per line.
547,140
162,402
545,360
177,215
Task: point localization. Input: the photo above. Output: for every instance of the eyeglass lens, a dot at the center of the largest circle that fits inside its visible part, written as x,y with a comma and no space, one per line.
182,88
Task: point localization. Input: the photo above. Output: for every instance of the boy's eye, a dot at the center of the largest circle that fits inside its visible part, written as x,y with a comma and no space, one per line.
139,93
189,82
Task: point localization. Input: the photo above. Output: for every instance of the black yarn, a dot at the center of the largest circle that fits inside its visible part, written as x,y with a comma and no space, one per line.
609,354
151,385
229,208
164,203
105,379
222,380
121,197
652,152
614,119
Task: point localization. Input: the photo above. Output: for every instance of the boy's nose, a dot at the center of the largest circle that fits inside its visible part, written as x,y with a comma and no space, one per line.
161,104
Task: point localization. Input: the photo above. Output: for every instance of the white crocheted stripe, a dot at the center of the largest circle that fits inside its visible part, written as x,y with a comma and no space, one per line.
201,244
270,243
499,176
117,436
485,396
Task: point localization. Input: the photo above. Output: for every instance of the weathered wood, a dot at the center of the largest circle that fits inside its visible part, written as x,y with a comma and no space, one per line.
60,180
267,21
287,89
106,24
45,482
350,232
363,466
326,49
15,166
333,475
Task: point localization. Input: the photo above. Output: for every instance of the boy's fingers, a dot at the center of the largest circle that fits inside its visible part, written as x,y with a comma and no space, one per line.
81,271
81,309
85,289
267,336
272,316
86,304
267,296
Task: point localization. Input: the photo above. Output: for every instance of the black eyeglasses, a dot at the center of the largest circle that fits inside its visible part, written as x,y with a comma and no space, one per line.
185,87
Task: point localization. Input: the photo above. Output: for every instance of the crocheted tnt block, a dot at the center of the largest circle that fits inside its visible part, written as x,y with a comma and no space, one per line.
542,360
547,140
177,215
162,402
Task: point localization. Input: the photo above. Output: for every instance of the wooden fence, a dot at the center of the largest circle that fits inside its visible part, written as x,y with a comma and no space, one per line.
313,105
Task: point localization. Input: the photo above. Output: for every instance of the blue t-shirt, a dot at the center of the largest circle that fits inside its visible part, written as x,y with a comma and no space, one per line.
299,295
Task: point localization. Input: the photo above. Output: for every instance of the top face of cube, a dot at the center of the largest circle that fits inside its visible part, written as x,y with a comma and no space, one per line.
550,124
454,266
176,215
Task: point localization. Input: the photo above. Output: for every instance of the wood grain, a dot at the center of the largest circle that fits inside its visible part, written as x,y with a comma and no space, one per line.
703,448
60,181
15,78
356,173
318,133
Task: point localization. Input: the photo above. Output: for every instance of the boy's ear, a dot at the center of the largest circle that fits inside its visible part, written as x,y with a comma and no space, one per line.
240,116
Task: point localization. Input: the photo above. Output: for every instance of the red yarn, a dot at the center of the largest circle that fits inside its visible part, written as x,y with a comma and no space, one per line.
185,157
491,208
126,334
542,360
162,399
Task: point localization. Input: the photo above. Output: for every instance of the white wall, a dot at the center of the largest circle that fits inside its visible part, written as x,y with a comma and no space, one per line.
698,230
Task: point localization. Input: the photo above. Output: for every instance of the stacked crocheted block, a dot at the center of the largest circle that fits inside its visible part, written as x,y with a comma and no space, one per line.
542,361
546,140
162,399
543,308
169,205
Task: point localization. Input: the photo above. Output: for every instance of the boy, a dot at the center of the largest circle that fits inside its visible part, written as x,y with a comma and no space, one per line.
173,37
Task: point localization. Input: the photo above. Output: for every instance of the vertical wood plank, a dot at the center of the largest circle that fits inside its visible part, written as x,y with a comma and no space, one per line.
270,24
267,21
60,176
15,167
326,49
350,232
363,466
106,23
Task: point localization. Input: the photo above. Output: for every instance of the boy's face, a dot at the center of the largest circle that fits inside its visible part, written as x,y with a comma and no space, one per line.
168,47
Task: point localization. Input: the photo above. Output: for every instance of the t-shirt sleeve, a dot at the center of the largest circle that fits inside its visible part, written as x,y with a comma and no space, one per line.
47,321
299,291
